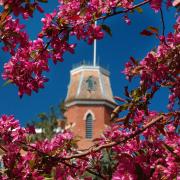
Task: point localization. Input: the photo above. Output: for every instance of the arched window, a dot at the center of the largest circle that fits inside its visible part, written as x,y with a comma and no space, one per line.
89,126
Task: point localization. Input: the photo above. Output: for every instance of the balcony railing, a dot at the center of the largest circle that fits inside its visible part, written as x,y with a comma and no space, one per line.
88,63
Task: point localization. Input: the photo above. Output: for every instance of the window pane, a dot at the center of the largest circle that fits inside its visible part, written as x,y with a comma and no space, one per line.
89,126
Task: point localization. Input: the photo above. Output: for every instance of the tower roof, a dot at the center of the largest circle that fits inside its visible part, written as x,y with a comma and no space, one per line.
89,85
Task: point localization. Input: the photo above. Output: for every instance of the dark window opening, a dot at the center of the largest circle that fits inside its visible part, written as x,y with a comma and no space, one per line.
91,84
89,126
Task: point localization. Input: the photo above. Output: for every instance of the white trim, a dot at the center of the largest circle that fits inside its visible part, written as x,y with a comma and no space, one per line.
93,102
38,130
90,68
101,84
80,83
70,126
89,112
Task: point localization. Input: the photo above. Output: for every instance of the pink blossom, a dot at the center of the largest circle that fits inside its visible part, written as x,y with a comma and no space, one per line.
127,20
155,5
125,169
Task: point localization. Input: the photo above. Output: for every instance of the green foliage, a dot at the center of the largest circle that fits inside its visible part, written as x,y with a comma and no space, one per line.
139,10
7,83
108,162
49,122
104,166
62,108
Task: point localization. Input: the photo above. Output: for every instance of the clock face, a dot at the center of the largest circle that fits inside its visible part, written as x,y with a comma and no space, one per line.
91,83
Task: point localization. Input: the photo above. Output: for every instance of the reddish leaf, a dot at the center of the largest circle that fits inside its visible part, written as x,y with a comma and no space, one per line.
106,29
133,60
153,29
126,91
146,33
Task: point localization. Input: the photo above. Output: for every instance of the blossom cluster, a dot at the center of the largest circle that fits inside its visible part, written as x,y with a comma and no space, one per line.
25,72
25,8
152,153
13,35
72,18
11,136
148,156
30,160
160,67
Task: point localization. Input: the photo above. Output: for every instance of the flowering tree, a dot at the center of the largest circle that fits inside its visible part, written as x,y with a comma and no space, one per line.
141,145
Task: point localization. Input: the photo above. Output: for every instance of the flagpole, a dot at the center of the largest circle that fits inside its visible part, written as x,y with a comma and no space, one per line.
95,48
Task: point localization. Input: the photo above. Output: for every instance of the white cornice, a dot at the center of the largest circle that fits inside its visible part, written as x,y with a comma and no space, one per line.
89,112
90,68
101,84
79,84
91,103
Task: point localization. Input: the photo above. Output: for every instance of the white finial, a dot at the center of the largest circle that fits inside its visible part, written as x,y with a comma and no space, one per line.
94,59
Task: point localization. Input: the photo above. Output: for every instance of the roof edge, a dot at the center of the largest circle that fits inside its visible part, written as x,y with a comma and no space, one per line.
91,102
89,67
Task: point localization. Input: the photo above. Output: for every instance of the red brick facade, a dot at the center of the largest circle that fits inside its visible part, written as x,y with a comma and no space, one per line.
89,92
77,114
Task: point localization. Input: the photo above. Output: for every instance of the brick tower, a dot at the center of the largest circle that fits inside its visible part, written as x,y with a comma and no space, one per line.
89,102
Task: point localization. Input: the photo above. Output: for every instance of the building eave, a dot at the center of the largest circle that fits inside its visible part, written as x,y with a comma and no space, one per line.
90,68
90,103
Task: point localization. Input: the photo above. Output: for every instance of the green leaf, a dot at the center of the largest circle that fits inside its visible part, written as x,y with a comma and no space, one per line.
106,29
7,82
169,148
153,29
136,92
83,11
123,107
139,9
32,163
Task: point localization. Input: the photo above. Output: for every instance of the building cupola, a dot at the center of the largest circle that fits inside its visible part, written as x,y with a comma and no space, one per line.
89,102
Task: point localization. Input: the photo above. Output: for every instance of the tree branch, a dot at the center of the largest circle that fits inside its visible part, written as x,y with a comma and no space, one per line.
1,147
108,145
103,17
162,20
124,11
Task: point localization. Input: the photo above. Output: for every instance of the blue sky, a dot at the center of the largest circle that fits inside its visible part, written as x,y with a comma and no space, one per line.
112,52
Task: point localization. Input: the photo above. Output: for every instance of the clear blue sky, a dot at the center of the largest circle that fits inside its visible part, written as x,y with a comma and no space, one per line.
112,52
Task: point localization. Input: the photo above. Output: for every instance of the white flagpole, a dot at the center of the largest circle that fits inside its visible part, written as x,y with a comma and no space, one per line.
95,47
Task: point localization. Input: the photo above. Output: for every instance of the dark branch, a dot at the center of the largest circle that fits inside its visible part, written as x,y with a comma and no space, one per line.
102,17
108,145
124,11
1,147
163,23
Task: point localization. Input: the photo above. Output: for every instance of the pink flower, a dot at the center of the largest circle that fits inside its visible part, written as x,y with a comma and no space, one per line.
155,5
127,20
126,169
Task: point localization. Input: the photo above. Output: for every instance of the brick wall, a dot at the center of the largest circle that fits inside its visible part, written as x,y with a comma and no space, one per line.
76,114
